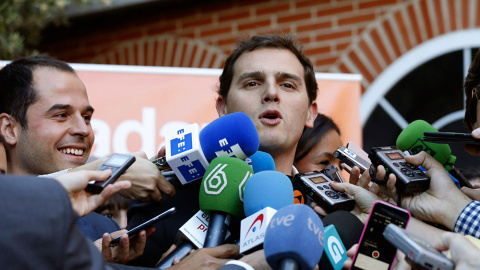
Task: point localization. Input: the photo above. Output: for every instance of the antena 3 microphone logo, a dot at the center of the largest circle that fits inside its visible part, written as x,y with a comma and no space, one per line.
216,180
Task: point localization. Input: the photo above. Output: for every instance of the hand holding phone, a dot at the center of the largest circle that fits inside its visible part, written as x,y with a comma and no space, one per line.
374,252
118,163
131,233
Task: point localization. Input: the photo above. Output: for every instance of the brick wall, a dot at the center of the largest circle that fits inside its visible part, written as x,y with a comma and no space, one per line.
351,36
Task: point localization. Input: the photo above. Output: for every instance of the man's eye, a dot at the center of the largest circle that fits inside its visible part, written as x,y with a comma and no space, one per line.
289,85
61,115
251,84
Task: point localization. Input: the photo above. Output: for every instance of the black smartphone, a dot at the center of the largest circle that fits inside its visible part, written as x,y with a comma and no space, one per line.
118,163
450,137
374,252
419,251
147,224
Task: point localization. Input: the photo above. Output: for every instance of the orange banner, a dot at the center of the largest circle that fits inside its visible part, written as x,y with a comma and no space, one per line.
134,106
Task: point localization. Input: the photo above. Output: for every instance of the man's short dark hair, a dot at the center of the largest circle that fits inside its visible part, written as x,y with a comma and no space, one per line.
287,42
16,84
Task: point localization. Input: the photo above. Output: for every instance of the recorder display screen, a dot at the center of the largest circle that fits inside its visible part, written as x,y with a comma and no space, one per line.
394,156
318,179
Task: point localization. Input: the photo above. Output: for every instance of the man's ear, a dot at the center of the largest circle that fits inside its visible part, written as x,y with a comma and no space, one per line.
9,128
312,114
221,106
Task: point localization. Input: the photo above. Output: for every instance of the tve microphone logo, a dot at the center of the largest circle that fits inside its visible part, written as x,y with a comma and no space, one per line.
230,150
184,154
216,180
335,249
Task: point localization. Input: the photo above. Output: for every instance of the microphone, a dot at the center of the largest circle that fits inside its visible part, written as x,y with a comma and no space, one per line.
261,161
188,151
221,196
294,238
265,193
342,230
411,139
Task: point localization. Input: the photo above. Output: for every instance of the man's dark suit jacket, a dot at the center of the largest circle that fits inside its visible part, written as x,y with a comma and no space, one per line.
37,227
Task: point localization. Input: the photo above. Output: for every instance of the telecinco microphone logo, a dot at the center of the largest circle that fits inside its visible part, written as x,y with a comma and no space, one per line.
241,187
216,180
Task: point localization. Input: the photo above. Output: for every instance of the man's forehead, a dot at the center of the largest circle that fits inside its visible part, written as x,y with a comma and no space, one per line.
268,61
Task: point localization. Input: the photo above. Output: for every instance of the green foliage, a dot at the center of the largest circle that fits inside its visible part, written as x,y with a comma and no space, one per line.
22,22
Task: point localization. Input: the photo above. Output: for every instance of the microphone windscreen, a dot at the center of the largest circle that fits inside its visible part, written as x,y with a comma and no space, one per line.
411,139
267,188
348,226
261,161
222,186
232,135
294,232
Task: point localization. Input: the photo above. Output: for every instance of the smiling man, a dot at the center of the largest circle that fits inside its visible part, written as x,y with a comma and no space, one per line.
45,120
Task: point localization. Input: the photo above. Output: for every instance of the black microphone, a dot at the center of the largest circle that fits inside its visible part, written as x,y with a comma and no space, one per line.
346,226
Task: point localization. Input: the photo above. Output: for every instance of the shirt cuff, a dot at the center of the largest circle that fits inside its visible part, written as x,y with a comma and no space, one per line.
468,221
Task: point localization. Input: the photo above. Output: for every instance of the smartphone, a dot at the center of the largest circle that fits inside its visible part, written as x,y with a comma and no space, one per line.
419,251
318,188
351,158
450,137
374,252
410,179
118,163
147,224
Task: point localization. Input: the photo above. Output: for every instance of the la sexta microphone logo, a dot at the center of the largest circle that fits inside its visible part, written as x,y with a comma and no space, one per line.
216,180
241,187
253,227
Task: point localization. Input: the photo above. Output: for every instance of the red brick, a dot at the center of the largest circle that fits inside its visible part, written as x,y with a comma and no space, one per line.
356,19
477,17
212,61
380,46
295,17
370,56
360,66
182,55
197,23
160,30
391,37
304,40
200,63
234,16
326,61
129,36
333,35
451,15
317,50
438,14
426,19
403,30
343,68
414,24
216,31
273,9
342,46
253,25
464,14
226,41
334,10
376,3
314,26
310,3
194,51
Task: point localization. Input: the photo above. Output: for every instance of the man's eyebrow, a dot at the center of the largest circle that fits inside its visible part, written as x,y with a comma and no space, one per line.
285,75
67,107
254,74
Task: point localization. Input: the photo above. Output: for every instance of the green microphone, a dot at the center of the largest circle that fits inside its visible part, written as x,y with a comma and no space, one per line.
221,196
411,139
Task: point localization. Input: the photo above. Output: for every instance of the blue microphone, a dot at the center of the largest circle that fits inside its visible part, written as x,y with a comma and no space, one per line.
294,238
261,161
268,188
265,192
232,135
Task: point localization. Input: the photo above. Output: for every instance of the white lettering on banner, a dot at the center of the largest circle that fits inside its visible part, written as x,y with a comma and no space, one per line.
146,128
